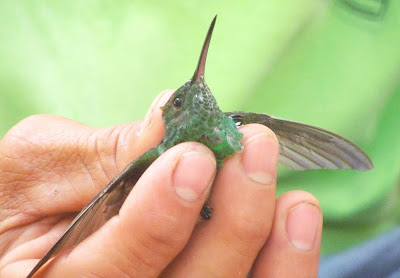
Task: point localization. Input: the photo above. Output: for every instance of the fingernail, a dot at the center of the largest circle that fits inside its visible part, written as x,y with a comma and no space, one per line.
193,175
259,158
302,225
157,103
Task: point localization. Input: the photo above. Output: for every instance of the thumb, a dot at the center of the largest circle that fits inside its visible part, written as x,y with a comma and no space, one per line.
64,162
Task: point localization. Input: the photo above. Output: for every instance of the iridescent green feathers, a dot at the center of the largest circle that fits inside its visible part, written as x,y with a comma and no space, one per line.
198,118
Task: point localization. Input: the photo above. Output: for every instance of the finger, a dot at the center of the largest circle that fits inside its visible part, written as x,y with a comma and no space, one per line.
53,160
154,223
243,200
149,135
292,250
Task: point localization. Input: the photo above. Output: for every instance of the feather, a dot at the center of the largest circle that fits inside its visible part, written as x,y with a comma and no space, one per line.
305,147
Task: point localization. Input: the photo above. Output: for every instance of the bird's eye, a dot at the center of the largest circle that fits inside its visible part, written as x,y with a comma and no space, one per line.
178,102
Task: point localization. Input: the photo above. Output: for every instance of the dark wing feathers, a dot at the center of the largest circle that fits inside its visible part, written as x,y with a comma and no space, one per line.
104,206
305,147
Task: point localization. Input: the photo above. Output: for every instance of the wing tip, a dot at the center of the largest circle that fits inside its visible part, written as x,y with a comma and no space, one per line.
364,166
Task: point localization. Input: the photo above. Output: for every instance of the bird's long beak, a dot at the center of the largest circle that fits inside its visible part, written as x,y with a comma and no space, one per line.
203,55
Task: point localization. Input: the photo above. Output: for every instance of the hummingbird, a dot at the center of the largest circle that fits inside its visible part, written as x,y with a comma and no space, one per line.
192,114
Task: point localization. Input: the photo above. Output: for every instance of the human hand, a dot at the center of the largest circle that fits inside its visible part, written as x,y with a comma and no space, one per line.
51,167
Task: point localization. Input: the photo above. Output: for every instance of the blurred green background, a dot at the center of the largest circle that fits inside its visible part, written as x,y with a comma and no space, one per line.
333,64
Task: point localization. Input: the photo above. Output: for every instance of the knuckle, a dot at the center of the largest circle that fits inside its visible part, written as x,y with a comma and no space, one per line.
296,196
34,130
153,246
106,141
39,145
250,229
38,118
166,232
31,123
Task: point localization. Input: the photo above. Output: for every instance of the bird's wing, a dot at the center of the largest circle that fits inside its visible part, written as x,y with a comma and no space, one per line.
305,147
104,206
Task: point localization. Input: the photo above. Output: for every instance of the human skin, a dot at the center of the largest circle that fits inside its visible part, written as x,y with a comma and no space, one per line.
51,167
